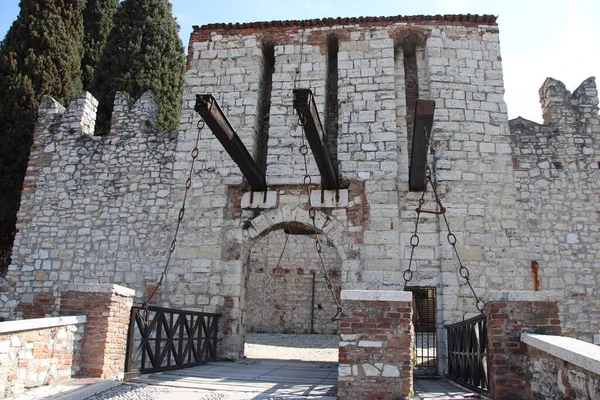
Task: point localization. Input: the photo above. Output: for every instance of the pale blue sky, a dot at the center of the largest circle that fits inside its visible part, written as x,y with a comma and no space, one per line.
538,38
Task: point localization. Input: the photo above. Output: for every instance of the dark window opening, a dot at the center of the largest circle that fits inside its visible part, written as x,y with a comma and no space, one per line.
411,87
424,320
264,106
331,99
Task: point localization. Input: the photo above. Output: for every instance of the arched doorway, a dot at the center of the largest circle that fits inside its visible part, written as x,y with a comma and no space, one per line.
286,290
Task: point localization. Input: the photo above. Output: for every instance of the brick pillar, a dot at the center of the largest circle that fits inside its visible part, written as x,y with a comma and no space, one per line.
107,308
508,315
377,336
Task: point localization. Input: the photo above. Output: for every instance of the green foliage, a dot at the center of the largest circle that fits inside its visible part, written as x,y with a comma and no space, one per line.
143,53
41,54
97,23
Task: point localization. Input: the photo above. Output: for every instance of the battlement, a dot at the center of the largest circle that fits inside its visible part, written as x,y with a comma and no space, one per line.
79,119
570,130
561,107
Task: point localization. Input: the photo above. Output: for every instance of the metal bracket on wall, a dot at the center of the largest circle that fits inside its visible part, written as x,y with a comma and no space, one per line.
213,116
420,143
304,104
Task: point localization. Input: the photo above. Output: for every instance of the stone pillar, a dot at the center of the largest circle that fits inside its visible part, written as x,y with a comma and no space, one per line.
508,315
107,308
377,336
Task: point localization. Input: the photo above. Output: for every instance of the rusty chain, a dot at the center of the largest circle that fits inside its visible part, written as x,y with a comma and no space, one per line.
414,242
188,185
451,237
312,215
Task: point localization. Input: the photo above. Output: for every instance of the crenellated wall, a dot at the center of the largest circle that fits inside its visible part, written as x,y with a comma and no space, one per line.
94,209
557,173
103,209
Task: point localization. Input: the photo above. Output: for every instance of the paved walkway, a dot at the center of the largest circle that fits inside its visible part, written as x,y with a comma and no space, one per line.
274,379
254,379
249,379
441,389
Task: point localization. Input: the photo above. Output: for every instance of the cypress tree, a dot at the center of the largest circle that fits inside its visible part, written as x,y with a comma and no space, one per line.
97,24
143,52
41,54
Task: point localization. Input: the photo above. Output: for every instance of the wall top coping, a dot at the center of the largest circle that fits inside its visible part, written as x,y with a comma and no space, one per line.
376,295
458,19
577,352
521,296
40,323
98,288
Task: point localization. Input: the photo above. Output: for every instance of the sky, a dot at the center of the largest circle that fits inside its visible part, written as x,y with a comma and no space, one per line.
538,38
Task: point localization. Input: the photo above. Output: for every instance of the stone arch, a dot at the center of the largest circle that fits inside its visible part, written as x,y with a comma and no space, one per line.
274,219
409,36
261,228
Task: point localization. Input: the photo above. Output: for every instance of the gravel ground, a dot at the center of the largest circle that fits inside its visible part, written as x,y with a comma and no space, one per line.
133,391
292,347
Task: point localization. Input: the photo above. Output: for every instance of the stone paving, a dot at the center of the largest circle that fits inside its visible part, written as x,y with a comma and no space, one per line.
250,379
441,389
256,379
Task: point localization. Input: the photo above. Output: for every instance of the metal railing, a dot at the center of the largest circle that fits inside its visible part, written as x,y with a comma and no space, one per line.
467,354
161,339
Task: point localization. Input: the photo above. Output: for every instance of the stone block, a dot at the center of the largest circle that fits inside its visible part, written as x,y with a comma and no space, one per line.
260,200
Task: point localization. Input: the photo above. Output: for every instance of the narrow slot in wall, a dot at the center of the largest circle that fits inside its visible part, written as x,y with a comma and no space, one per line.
264,105
331,99
411,87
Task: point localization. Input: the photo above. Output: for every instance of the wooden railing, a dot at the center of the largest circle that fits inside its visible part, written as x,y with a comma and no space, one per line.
467,354
161,339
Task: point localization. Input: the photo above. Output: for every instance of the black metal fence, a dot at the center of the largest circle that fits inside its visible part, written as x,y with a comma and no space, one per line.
161,339
467,354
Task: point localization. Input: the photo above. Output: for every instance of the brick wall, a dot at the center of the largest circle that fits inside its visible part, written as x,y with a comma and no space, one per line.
107,308
376,345
508,315
38,352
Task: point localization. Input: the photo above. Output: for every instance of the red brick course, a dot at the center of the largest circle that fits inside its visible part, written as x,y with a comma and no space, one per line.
507,355
105,333
376,350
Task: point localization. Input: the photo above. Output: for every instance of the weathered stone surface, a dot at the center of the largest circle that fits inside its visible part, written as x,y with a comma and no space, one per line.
103,209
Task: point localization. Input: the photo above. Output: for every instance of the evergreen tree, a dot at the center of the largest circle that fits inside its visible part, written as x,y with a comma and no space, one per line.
143,52
97,24
41,54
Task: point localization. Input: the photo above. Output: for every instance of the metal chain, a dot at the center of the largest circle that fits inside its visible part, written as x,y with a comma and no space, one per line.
451,237
312,215
462,270
414,242
414,239
188,185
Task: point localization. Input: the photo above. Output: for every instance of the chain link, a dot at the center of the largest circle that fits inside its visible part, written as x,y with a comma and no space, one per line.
188,184
451,237
325,272
313,215
414,242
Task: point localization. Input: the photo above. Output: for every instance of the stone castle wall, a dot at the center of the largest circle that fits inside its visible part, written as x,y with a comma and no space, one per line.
112,201
94,209
557,172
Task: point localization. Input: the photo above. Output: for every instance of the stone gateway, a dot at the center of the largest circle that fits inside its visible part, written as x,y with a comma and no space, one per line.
522,198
